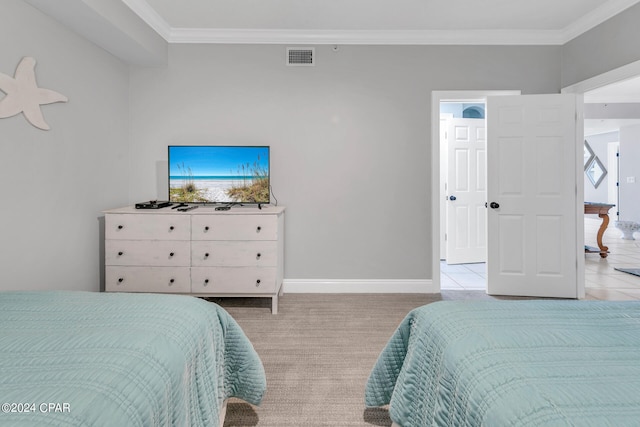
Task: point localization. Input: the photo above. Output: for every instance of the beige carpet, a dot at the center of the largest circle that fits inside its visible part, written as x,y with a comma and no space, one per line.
318,352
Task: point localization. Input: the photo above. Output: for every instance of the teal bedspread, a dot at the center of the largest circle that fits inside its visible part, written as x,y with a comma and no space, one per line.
512,363
96,359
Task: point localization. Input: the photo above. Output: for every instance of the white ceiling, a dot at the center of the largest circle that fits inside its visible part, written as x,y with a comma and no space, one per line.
379,21
375,15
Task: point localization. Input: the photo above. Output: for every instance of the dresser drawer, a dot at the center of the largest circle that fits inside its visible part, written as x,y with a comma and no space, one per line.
147,279
221,253
149,226
147,252
233,280
234,227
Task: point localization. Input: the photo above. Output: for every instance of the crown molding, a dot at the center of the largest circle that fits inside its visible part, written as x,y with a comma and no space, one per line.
596,17
150,16
374,37
365,37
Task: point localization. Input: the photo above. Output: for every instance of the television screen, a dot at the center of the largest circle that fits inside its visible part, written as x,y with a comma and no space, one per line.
219,174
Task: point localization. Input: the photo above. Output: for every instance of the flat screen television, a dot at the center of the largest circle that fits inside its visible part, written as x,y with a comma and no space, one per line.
219,174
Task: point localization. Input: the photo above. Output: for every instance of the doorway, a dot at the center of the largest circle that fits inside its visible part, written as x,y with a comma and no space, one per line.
533,136
463,169
463,249
614,89
465,276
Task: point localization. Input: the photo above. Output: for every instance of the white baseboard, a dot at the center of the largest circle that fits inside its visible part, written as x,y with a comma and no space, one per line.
358,286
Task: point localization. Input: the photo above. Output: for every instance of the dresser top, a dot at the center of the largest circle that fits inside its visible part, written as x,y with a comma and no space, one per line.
201,210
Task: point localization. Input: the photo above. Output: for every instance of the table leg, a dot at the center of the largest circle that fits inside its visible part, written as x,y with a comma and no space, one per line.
601,230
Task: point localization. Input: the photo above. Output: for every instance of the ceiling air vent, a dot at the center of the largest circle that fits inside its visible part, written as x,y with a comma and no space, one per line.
300,56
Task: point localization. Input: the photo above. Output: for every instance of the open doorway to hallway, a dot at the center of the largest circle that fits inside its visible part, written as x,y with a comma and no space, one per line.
463,247
566,119
438,192
509,160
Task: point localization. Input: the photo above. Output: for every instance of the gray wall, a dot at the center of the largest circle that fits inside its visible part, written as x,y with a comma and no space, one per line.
55,183
609,45
630,167
350,137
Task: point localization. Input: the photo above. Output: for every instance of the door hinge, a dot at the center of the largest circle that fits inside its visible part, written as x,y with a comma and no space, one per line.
445,237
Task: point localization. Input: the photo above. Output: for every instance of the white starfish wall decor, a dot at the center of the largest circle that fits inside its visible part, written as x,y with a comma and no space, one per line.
24,96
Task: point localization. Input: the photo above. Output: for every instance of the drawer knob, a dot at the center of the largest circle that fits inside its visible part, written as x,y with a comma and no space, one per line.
206,282
206,228
120,253
120,227
206,255
171,228
258,255
171,281
120,280
258,229
257,283
171,254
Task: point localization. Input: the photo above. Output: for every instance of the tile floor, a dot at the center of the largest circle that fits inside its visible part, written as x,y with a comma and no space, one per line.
601,280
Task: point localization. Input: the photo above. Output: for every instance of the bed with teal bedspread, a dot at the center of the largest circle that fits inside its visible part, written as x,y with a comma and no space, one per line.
512,363
121,360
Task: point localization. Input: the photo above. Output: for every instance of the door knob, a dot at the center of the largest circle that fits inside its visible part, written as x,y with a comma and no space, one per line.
494,205
452,197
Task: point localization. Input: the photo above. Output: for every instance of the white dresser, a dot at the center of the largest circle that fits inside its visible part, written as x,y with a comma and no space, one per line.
203,252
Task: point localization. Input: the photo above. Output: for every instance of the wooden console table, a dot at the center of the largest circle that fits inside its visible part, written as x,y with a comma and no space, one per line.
602,210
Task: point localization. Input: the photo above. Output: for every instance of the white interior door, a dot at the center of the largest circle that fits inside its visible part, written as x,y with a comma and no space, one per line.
466,191
532,221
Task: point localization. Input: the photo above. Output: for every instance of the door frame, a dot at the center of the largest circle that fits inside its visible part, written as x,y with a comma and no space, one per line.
443,208
437,97
613,169
613,76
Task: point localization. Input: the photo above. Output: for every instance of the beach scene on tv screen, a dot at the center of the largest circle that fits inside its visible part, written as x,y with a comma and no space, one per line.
215,174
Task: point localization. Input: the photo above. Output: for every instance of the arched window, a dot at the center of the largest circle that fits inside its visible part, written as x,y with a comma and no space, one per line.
473,113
